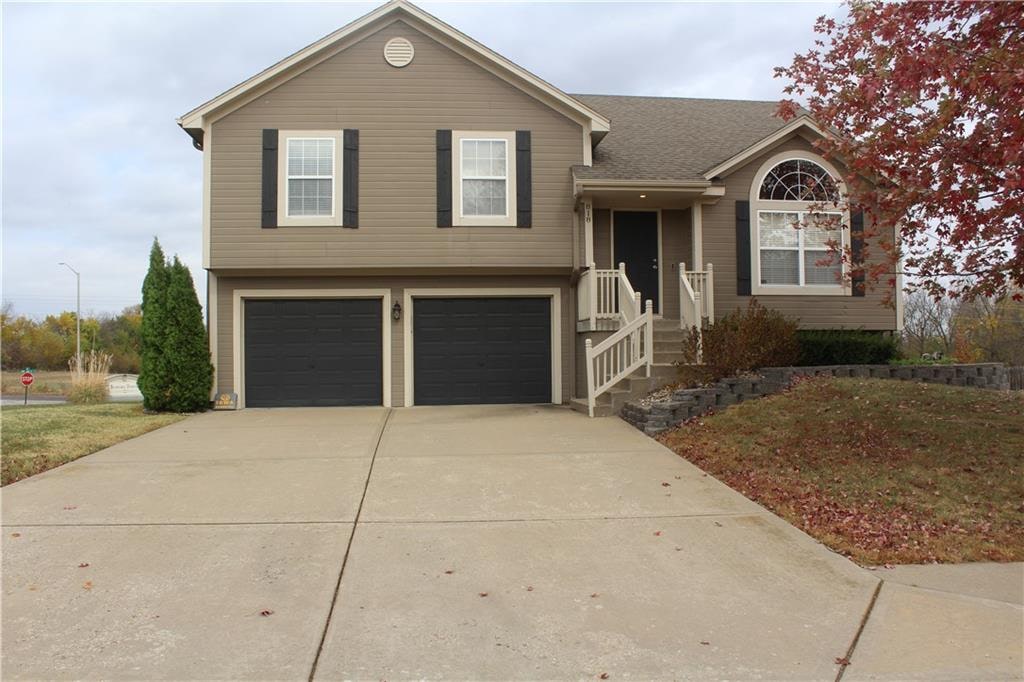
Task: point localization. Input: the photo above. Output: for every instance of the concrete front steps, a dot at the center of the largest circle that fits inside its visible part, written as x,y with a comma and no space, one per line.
668,341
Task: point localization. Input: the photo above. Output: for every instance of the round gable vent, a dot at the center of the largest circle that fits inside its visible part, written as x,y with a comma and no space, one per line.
398,52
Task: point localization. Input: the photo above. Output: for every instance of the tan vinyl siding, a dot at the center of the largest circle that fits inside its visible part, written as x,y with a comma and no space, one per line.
226,287
719,220
397,112
676,248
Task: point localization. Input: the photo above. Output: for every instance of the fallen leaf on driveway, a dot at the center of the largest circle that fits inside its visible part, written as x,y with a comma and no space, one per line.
266,612
665,484
15,535
83,565
69,507
483,594
529,588
87,585
595,595
603,676
448,572
657,533
705,643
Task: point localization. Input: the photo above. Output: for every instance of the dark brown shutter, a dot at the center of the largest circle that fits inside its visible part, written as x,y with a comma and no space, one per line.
269,177
857,252
444,178
743,248
350,179
524,180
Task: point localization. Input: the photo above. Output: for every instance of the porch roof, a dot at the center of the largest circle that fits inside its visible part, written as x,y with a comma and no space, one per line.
673,139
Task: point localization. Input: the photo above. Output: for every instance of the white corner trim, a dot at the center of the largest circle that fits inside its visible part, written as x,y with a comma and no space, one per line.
238,332
329,45
756,204
756,148
211,326
207,192
554,293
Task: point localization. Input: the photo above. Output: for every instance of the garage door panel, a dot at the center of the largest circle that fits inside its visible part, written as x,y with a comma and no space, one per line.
481,350
313,352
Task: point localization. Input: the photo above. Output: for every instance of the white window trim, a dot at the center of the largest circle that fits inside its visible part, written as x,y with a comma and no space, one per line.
758,205
507,220
283,219
553,293
238,331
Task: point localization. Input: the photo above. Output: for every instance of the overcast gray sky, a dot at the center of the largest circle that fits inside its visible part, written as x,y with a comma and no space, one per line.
94,165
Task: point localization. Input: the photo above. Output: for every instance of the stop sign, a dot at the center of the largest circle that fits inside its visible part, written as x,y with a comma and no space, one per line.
27,378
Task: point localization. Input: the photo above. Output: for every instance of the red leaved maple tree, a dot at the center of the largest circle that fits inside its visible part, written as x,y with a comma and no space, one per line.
926,100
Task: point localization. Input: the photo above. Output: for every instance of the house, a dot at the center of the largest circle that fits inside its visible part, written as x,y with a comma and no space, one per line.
396,215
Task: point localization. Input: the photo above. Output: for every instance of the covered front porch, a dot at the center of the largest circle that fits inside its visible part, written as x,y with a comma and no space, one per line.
640,243
641,250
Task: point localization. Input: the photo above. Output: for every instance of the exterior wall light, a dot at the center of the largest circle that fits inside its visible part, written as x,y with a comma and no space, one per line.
396,311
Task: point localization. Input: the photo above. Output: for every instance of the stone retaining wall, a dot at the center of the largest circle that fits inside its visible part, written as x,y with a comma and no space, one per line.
685,403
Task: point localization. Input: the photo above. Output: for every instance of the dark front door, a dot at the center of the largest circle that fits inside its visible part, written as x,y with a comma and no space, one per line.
636,245
481,350
313,352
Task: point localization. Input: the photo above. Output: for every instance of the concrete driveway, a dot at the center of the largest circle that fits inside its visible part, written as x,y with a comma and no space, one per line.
459,542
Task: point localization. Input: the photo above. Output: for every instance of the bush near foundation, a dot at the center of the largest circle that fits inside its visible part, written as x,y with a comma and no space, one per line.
845,347
742,341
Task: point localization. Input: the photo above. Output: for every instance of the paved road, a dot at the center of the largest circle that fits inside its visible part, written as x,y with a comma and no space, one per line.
12,400
460,543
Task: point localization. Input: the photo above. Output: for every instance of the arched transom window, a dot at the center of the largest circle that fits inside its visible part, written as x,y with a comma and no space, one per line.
792,241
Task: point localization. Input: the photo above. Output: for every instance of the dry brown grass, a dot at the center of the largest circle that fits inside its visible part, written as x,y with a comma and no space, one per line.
36,438
48,382
89,378
881,471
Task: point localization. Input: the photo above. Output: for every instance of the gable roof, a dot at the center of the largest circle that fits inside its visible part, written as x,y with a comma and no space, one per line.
680,139
333,43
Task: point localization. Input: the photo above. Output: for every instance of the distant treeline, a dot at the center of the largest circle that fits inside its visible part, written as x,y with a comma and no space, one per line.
50,343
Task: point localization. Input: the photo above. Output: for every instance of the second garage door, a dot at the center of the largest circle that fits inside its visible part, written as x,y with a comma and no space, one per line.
481,350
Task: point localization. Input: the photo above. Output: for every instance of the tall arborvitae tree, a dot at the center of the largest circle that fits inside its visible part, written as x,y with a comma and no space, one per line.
155,375
186,351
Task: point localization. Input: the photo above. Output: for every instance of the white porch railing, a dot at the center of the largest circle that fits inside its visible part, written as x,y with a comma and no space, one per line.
696,296
606,295
624,352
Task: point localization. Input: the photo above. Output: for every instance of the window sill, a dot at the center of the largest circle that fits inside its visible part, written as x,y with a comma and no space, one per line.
810,290
479,221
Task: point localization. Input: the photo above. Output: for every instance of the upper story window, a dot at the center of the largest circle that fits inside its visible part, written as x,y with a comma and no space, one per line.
309,178
792,243
484,173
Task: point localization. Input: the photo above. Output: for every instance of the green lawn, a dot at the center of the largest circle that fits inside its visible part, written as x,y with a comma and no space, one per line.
881,471
37,438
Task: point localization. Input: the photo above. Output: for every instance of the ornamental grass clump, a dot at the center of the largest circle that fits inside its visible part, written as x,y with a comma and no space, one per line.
89,378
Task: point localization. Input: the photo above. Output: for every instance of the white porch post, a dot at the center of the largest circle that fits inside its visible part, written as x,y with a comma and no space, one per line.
697,232
588,231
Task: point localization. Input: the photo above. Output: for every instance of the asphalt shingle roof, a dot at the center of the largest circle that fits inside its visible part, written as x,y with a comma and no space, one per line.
673,138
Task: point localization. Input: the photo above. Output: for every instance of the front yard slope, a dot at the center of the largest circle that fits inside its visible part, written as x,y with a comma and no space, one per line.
881,471
37,438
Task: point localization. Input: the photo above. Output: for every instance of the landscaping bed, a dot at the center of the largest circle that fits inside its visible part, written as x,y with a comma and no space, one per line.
882,471
36,438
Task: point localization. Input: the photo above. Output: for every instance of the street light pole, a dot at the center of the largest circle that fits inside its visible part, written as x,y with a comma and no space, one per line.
78,315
